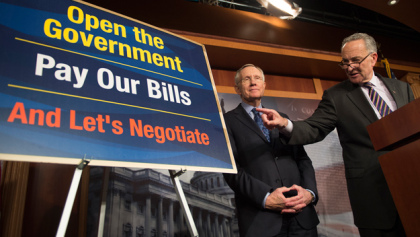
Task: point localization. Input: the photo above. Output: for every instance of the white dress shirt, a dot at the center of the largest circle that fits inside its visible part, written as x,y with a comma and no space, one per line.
382,90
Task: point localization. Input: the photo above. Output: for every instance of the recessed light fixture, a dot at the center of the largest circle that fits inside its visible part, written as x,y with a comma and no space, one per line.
284,9
393,2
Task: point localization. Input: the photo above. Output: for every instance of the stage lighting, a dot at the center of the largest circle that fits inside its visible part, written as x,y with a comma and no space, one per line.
393,2
283,9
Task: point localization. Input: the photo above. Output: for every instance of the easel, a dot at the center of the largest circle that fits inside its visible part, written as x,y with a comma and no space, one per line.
73,190
178,189
183,201
70,198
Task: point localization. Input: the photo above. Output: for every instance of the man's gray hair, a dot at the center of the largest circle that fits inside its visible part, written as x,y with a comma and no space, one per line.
238,73
370,42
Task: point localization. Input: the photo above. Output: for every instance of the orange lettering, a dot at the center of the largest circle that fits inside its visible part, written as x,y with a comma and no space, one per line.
18,112
57,118
138,128
73,121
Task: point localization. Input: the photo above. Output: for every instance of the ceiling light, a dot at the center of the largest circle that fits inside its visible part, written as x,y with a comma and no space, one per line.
281,8
393,2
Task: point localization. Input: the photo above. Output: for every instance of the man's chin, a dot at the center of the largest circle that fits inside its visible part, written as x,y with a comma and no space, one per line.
253,99
355,80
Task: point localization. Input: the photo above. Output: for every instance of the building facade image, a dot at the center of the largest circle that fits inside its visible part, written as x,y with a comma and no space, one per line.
143,203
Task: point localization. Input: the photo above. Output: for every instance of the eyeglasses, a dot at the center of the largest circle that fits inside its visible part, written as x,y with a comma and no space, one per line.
352,64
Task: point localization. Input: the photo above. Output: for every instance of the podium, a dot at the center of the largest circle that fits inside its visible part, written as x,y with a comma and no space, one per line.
399,132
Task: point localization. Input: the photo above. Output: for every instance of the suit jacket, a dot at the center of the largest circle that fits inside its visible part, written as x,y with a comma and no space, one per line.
262,167
345,107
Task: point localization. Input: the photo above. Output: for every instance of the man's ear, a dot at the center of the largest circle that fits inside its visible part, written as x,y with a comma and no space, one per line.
237,90
375,58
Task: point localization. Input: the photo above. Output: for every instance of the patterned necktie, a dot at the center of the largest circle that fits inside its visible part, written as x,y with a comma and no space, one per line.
377,100
258,120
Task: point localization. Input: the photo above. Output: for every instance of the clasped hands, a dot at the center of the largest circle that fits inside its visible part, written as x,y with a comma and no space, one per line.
276,201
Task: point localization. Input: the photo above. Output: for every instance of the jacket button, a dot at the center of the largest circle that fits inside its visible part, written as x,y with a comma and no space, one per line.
277,180
276,158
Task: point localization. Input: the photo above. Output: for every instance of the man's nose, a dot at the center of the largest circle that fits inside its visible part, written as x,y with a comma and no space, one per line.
350,68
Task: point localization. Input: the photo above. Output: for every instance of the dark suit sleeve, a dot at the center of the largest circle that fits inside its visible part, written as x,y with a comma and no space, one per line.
244,184
410,93
306,170
316,127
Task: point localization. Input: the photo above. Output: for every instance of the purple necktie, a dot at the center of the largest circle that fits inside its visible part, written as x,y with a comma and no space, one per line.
377,100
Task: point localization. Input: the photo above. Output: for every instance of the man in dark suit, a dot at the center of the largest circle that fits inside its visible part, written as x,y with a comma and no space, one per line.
348,107
275,187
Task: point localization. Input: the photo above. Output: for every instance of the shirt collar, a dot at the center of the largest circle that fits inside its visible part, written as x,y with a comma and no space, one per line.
374,80
248,107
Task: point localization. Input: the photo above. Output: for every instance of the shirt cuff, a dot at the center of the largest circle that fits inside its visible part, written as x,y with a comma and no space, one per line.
265,199
287,131
312,194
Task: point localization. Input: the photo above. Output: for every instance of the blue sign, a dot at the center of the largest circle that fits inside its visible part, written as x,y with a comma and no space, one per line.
81,82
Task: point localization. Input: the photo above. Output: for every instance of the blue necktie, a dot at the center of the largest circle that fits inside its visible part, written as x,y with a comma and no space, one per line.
377,100
258,120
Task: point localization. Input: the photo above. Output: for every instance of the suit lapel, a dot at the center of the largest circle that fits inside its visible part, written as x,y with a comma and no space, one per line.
246,120
359,99
361,102
393,90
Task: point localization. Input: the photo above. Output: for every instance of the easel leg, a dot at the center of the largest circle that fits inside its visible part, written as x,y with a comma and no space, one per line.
103,202
183,201
70,199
